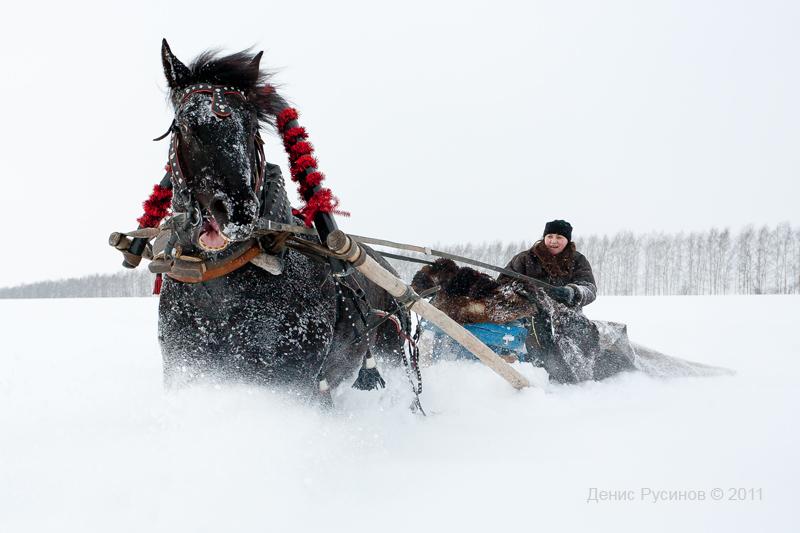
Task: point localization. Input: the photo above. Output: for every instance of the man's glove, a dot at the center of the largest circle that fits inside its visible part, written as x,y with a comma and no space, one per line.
564,295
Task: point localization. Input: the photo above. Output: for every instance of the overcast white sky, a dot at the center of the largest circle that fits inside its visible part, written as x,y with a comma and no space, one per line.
435,122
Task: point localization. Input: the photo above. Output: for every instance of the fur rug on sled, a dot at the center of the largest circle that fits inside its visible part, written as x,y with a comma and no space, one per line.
572,348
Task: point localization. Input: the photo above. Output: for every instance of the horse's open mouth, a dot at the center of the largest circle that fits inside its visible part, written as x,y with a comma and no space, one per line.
211,238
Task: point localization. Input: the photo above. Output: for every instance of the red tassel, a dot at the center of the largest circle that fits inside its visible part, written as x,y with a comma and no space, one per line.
157,286
302,164
301,159
300,149
292,135
323,201
312,180
156,207
284,117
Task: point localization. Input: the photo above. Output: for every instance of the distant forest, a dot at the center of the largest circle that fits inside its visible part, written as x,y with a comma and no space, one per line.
137,282
715,262
753,261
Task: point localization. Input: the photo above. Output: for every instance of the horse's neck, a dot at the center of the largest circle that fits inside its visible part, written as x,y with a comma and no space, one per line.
275,204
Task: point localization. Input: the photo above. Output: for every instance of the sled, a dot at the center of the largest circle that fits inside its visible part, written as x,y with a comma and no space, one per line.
617,352
506,340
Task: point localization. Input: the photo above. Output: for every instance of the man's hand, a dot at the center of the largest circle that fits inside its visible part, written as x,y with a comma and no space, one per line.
565,295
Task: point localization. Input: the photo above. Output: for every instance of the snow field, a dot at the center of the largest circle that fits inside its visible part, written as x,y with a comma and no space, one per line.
90,442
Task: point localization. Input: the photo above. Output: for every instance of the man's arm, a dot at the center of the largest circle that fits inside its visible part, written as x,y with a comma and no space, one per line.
583,283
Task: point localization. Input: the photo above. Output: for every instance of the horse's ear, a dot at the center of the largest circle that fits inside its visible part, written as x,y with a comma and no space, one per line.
256,62
176,72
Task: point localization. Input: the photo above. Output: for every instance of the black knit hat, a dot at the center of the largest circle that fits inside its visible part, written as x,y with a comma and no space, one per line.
558,227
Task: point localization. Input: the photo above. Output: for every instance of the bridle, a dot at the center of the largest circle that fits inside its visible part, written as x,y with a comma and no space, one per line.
221,108
170,258
185,222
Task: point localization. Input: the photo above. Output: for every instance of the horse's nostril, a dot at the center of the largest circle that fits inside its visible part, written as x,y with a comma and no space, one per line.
218,207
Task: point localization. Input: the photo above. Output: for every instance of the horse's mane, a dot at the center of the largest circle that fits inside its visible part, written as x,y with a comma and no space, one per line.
239,70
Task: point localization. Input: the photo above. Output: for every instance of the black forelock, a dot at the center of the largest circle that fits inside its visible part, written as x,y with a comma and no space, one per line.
235,69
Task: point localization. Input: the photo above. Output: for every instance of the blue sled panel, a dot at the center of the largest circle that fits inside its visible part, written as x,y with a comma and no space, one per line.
504,339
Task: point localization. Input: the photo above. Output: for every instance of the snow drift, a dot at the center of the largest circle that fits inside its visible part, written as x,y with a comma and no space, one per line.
90,442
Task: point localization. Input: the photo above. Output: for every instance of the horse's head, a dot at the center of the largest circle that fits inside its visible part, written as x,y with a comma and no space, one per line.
216,158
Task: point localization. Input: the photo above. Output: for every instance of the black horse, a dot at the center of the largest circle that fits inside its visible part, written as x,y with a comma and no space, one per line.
283,318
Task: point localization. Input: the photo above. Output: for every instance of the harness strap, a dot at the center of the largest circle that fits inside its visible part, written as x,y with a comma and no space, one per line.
220,107
218,103
226,268
192,272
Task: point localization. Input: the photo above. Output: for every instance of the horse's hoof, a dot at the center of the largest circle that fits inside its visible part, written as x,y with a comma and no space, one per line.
369,379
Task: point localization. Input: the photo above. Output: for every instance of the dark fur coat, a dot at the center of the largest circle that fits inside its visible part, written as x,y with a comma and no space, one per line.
470,297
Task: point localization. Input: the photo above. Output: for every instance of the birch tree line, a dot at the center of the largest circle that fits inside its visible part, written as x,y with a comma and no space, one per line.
125,283
715,262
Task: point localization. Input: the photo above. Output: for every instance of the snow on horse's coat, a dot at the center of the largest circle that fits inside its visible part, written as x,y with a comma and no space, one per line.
293,324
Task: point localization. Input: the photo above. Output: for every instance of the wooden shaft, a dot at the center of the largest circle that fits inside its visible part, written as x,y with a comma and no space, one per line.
342,244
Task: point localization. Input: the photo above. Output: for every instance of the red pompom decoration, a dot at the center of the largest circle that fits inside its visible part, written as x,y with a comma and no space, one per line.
300,149
292,135
302,164
323,201
286,116
156,207
301,160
